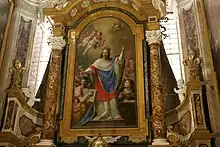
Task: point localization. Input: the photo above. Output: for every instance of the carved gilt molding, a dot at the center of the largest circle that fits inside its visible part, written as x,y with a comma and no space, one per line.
193,62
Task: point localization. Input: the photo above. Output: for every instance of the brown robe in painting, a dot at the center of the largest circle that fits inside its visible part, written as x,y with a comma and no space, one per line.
79,107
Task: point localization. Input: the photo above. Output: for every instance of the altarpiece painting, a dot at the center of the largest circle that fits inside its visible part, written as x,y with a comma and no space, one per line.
6,9
104,87
105,82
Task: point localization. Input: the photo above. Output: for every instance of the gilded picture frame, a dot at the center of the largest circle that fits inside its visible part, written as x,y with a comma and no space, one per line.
6,31
137,134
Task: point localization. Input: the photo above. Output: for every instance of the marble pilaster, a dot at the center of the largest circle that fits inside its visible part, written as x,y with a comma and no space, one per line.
9,55
52,91
159,129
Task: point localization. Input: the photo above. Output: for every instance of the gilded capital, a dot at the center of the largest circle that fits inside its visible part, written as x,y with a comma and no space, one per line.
57,42
153,37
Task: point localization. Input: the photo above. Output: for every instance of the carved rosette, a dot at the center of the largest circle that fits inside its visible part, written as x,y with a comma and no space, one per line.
154,40
52,89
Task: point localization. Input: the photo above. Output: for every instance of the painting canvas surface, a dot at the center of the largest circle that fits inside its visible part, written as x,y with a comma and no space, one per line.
104,89
4,10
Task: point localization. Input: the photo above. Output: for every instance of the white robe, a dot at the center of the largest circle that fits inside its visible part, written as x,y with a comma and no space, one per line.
108,109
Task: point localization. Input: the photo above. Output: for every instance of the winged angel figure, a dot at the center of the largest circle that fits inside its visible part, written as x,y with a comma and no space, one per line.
160,5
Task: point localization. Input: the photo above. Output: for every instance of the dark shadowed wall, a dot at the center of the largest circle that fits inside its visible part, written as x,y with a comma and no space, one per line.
213,17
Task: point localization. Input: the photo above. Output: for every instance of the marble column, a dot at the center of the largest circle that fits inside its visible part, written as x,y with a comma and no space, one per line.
158,121
52,92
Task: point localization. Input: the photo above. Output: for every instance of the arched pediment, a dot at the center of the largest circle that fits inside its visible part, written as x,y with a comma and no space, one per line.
72,11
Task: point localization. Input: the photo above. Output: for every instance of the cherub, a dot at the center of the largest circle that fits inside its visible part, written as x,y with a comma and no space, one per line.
96,42
116,27
17,72
87,39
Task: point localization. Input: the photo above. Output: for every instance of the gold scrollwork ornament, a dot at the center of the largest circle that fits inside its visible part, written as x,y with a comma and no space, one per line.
98,142
34,138
193,62
172,136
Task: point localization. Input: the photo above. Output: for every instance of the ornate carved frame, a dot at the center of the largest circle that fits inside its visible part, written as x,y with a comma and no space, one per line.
137,19
7,27
136,134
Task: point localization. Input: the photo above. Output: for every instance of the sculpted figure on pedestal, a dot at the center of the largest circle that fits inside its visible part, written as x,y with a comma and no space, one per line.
17,72
181,91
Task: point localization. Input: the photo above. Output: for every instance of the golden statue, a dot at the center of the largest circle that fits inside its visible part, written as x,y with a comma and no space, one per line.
98,142
17,72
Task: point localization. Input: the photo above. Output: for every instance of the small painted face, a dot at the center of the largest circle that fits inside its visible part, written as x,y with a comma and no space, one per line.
81,69
83,82
93,33
127,84
99,34
105,54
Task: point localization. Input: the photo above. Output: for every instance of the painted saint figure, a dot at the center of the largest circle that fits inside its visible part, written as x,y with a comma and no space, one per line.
107,73
128,94
126,101
81,105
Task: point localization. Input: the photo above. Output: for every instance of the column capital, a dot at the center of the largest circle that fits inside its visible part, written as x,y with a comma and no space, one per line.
184,4
57,42
153,37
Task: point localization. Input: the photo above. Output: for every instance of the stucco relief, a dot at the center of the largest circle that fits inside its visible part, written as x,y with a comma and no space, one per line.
27,126
190,28
23,39
183,127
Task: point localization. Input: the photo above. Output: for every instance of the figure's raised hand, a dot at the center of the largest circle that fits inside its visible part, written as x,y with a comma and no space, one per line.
123,48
